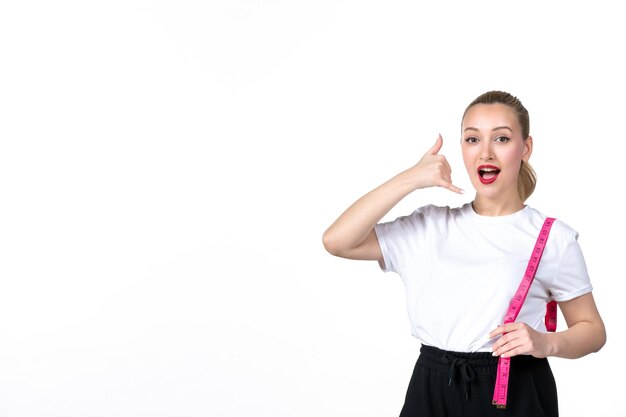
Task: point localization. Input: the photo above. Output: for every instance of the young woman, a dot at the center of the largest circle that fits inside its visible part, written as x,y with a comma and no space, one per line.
461,268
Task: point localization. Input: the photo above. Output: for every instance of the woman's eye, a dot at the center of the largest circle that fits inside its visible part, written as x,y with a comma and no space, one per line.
502,139
471,139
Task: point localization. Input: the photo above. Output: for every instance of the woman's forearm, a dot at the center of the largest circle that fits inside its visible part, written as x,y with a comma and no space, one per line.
356,223
579,340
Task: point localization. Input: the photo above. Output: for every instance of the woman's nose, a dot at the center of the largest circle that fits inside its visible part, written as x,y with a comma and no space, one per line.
486,152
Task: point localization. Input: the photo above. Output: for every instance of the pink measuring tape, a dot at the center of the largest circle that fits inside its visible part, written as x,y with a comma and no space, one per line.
504,364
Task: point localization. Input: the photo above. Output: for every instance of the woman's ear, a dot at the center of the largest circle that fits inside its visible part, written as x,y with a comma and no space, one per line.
528,148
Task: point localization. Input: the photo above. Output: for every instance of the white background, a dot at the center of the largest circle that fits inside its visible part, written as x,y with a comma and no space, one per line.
167,170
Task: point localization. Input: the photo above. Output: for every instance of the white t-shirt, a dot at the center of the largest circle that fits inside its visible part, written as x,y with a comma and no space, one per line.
461,269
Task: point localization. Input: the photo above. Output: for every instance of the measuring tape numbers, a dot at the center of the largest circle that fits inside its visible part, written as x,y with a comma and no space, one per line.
504,364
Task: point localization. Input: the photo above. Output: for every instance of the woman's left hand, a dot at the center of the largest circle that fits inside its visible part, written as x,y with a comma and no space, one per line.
520,339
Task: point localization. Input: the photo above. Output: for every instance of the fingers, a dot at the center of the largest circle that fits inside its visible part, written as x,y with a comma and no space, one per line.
447,171
505,328
436,147
517,339
436,168
447,181
508,345
513,350
453,188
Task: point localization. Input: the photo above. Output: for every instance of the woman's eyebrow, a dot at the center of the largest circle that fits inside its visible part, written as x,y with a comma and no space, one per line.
493,130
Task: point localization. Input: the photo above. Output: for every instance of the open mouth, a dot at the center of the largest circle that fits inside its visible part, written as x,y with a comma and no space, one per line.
488,173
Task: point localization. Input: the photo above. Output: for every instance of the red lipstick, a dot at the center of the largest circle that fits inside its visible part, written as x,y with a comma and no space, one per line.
488,173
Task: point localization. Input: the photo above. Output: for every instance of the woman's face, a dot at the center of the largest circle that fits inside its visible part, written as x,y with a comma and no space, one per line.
493,148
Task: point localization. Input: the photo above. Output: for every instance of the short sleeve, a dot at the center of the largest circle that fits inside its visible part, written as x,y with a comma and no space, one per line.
571,279
399,240
381,234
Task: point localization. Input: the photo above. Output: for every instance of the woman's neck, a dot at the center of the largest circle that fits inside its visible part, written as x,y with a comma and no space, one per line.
496,207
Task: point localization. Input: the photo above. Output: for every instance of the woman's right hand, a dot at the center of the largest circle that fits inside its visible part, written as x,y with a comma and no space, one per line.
433,170
352,234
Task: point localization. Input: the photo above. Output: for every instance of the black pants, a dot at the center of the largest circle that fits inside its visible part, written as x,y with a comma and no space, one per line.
451,384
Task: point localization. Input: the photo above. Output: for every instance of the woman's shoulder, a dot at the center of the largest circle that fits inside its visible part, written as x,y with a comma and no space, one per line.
441,212
436,215
560,229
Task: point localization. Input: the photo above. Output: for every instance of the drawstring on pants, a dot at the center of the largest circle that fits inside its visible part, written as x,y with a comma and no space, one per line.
465,370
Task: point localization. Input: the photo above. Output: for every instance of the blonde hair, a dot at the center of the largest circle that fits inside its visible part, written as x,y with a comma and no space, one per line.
527,177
